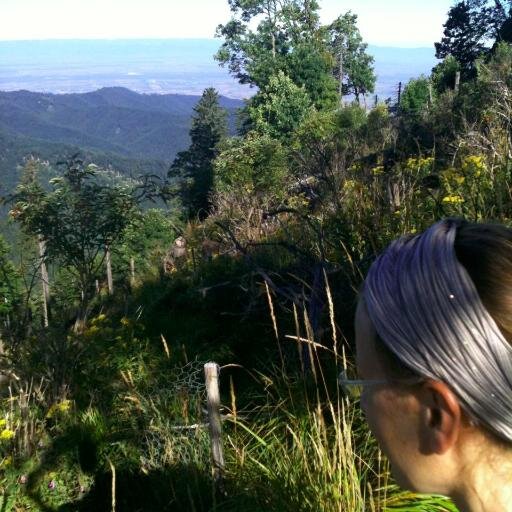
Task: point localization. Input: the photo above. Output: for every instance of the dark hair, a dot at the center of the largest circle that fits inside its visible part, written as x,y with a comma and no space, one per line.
485,251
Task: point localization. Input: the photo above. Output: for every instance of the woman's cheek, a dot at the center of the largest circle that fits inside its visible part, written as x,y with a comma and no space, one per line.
370,411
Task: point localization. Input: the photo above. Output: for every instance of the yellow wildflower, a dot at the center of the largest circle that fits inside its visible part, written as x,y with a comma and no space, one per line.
3,422
454,199
349,185
355,167
377,171
459,179
59,408
6,435
411,163
98,319
92,330
424,162
64,406
474,165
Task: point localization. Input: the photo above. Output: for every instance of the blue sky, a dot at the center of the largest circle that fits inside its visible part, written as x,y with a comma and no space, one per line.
405,23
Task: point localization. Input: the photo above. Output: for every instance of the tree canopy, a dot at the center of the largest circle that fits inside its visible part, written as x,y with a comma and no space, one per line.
471,29
77,218
354,67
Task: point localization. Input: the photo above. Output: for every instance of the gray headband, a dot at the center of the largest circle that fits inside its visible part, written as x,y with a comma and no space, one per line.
427,311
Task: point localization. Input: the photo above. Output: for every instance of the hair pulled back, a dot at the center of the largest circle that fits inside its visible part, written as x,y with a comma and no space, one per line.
441,302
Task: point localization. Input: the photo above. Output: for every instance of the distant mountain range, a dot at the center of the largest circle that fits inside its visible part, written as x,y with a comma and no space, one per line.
132,132
86,95
181,66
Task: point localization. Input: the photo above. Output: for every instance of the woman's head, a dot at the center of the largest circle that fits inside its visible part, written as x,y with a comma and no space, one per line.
439,305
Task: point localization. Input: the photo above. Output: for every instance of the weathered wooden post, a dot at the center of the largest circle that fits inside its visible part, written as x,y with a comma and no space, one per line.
211,374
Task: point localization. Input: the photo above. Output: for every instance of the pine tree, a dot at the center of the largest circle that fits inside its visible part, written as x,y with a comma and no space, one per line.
470,30
193,168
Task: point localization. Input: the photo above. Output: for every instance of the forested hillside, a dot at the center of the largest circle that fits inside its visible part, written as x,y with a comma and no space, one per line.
110,310
113,126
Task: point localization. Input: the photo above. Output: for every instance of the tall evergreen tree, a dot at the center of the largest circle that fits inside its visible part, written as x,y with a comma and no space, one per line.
470,31
193,168
505,30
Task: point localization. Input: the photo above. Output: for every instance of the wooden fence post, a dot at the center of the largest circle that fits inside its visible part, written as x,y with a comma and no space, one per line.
211,374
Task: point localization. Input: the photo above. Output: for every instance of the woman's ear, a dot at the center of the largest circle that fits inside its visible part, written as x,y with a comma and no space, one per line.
441,418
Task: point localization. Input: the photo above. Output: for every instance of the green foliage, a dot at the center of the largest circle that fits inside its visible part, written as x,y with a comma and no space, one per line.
444,74
254,165
76,219
194,167
279,108
354,67
10,285
471,28
498,67
416,96
379,127
286,39
146,240
309,66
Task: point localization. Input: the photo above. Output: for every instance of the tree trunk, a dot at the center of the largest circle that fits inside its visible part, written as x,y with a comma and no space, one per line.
340,84
45,283
132,272
309,16
457,81
108,260
81,315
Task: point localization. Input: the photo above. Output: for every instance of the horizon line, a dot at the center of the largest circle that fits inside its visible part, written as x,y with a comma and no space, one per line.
415,46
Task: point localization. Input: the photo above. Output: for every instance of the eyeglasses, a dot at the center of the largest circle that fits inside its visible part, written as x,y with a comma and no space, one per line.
354,387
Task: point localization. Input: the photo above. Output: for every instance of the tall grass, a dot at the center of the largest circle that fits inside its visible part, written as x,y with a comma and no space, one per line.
308,447
302,455
292,442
